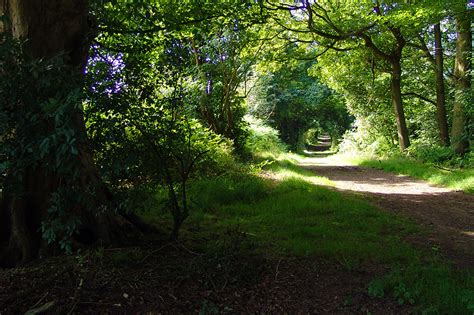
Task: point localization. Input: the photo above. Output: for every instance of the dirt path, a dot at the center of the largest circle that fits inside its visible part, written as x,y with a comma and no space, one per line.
448,214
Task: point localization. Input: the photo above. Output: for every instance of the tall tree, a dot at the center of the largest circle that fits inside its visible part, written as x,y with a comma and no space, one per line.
437,62
440,91
462,82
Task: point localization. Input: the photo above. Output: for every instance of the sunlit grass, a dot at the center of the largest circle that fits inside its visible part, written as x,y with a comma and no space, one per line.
289,215
284,166
457,179
296,216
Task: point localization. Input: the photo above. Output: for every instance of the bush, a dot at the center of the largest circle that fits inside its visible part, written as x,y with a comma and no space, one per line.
363,140
311,136
262,138
430,153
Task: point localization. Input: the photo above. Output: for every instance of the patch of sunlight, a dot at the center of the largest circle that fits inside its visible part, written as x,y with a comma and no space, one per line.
469,233
284,174
333,160
351,159
288,166
289,157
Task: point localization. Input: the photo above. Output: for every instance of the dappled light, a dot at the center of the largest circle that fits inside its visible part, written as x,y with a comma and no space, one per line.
447,212
349,177
236,157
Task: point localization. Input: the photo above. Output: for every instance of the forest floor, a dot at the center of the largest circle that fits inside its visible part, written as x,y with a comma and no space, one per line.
173,280
215,272
447,214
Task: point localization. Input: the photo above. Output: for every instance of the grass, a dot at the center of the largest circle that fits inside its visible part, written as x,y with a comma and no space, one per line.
302,219
458,179
289,213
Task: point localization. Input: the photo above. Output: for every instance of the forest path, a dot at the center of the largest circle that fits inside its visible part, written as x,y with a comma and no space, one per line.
447,214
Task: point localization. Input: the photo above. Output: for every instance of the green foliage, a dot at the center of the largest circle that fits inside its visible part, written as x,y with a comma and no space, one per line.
171,96
152,116
168,144
210,43
358,69
432,287
40,106
221,70
435,154
376,288
364,139
293,102
262,138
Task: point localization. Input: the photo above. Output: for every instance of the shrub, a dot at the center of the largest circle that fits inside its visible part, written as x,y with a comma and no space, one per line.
262,138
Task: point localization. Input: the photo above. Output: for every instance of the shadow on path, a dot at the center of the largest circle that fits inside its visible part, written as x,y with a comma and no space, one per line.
448,214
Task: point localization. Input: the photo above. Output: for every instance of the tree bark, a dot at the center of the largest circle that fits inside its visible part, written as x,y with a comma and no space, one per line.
440,92
51,27
396,92
462,83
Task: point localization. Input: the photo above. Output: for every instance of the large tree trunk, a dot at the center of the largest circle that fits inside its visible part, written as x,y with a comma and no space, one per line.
440,93
396,75
462,82
50,28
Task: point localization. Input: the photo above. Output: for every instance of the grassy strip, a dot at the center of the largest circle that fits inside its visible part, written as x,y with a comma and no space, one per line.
458,179
287,214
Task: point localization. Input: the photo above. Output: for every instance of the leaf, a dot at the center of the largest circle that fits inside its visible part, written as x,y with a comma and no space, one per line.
376,288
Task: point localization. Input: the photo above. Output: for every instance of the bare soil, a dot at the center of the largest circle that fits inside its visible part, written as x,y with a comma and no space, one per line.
447,215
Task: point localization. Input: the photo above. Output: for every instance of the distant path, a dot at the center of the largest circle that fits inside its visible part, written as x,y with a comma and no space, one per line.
449,215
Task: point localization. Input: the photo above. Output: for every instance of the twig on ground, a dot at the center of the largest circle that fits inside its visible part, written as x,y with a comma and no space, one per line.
97,303
77,295
190,251
277,271
154,252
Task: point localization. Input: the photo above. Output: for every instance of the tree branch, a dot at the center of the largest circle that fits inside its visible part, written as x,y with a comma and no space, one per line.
370,44
424,48
421,97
